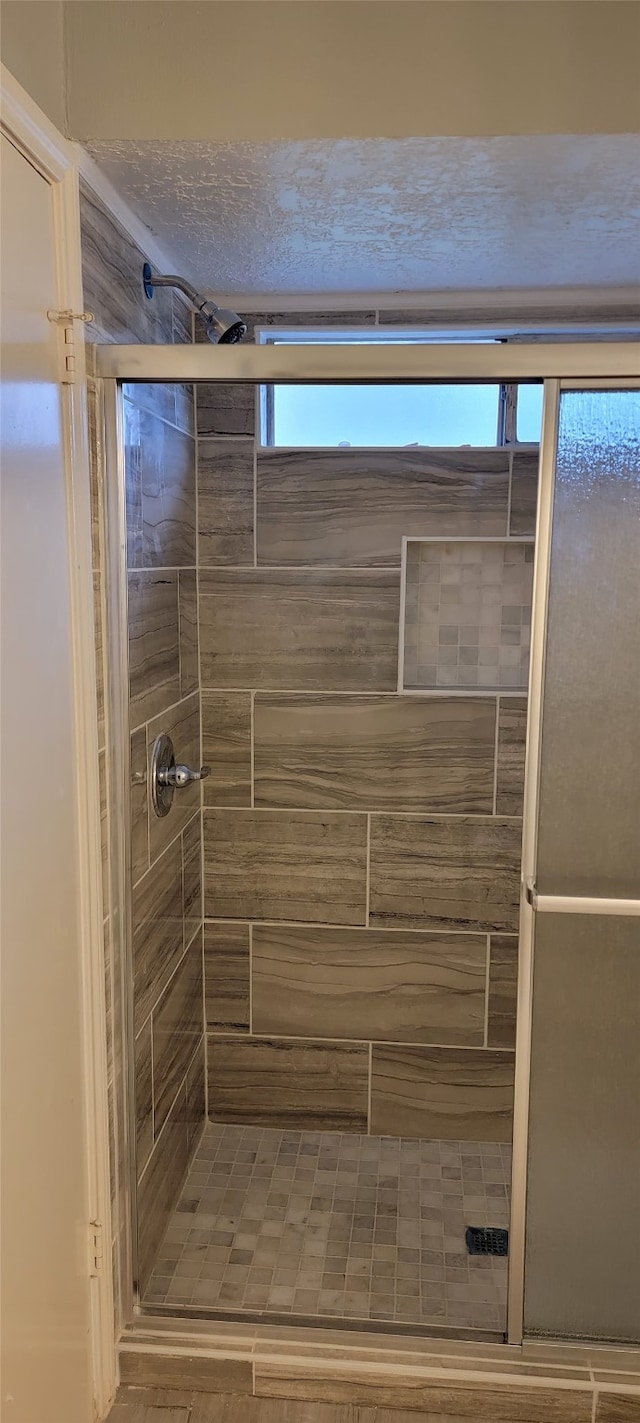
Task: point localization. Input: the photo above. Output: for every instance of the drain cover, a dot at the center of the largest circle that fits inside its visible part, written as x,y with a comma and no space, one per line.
485,1240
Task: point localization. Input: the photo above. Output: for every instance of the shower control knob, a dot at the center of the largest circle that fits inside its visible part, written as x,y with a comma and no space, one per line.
167,776
180,776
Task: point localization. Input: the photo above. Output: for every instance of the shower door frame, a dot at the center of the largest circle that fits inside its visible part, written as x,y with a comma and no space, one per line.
559,366
531,902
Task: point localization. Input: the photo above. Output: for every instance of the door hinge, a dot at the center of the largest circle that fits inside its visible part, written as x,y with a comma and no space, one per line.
64,321
96,1248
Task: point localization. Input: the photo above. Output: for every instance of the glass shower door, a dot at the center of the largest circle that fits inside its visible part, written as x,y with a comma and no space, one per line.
582,1256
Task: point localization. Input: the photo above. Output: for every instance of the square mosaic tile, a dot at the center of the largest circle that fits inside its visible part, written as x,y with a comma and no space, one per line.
468,614
336,1225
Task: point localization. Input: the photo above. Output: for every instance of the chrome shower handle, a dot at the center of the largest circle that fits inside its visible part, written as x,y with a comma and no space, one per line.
180,776
167,777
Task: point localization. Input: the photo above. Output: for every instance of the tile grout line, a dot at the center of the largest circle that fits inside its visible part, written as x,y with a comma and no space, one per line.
496,751
483,694
367,569
228,439
183,894
370,1091
180,622
360,928
169,846
301,1037
250,981
252,751
446,815
367,904
486,993
154,570
170,979
205,1029
356,928
163,1128
146,722
153,1089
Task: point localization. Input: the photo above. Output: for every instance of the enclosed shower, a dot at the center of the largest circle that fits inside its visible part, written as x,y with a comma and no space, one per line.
334,647
387,917
361,846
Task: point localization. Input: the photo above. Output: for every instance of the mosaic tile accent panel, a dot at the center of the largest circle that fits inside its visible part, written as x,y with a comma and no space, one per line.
337,1225
468,614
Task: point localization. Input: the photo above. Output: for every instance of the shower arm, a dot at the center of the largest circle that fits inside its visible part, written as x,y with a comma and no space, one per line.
223,325
195,297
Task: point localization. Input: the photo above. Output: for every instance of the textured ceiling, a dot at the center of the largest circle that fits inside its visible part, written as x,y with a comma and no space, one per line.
382,215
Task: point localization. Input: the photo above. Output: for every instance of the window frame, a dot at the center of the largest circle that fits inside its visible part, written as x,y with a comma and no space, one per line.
507,423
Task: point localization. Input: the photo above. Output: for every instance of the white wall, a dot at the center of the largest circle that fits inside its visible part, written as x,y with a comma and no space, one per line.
32,47
299,69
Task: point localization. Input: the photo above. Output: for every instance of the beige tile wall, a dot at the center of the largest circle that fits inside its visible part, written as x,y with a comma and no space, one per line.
165,695
361,848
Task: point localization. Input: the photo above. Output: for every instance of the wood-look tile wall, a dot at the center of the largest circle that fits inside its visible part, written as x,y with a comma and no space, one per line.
164,695
361,847
160,471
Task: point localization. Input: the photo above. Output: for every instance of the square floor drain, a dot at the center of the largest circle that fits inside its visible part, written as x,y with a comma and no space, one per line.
482,1240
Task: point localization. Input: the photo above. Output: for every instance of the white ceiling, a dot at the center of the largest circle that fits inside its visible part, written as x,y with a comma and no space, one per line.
382,215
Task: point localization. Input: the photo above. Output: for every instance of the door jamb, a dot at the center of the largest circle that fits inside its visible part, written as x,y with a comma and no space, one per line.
31,132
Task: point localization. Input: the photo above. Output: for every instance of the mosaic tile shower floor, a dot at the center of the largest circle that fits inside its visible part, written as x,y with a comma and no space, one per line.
337,1225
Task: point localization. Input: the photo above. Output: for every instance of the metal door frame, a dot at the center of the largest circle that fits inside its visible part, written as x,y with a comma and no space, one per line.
561,366
532,903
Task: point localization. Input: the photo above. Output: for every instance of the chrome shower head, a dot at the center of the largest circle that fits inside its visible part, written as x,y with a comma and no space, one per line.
223,327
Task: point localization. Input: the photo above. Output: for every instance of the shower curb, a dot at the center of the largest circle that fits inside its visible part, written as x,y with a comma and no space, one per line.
571,1383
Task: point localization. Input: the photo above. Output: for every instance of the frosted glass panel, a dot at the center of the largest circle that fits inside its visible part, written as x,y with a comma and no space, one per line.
583,1224
589,829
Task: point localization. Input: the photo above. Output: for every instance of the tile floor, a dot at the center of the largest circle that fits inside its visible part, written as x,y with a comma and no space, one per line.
337,1225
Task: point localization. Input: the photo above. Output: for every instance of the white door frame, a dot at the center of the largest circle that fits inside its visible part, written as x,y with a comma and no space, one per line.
55,159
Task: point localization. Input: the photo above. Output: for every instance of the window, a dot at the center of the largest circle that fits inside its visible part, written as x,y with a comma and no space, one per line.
385,415
394,415
529,414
